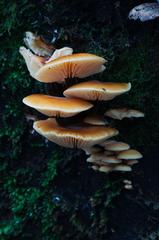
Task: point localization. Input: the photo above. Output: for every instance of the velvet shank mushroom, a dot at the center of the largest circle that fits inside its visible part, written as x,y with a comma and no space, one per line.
60,65
94,120
115,146
120,113
76,65
73,136
96,90
38,45
102,158
129,154
56,106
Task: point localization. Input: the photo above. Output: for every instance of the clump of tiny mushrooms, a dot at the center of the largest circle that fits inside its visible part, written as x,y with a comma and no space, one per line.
73,119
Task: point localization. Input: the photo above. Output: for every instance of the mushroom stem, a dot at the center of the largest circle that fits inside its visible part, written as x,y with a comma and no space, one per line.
71,81
54,89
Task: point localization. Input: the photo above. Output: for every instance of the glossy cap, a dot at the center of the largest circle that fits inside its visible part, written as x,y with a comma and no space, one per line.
129,154
95,90
73,136
56,106
76,65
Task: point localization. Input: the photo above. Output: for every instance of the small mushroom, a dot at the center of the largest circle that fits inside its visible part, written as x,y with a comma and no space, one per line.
116,146
95,168
120,113
96,90
76,65
101,156
93,149
122,168
128,187
73,136
129,154
94,120
56,106
106,169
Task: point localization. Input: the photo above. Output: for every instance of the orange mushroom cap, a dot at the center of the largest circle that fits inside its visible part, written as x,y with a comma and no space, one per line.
73,136
56,106
76,65
96,90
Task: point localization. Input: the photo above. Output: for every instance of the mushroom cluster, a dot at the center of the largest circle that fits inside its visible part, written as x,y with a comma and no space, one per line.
74,121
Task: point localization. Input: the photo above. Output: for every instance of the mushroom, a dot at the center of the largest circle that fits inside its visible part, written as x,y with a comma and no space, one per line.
122,167
105,169
106,142
73,136
76,65
115,146
102,157
90,134
33,62
38,45
129,154
93,149
95,168
131,162
56,106
145,12
94,120
65,51
96,90
120,113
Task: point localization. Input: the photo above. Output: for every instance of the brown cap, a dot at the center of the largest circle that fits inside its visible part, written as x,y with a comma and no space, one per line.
73,136
120,113
95,90
76,65
102,157
129,154
116,146
56,106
